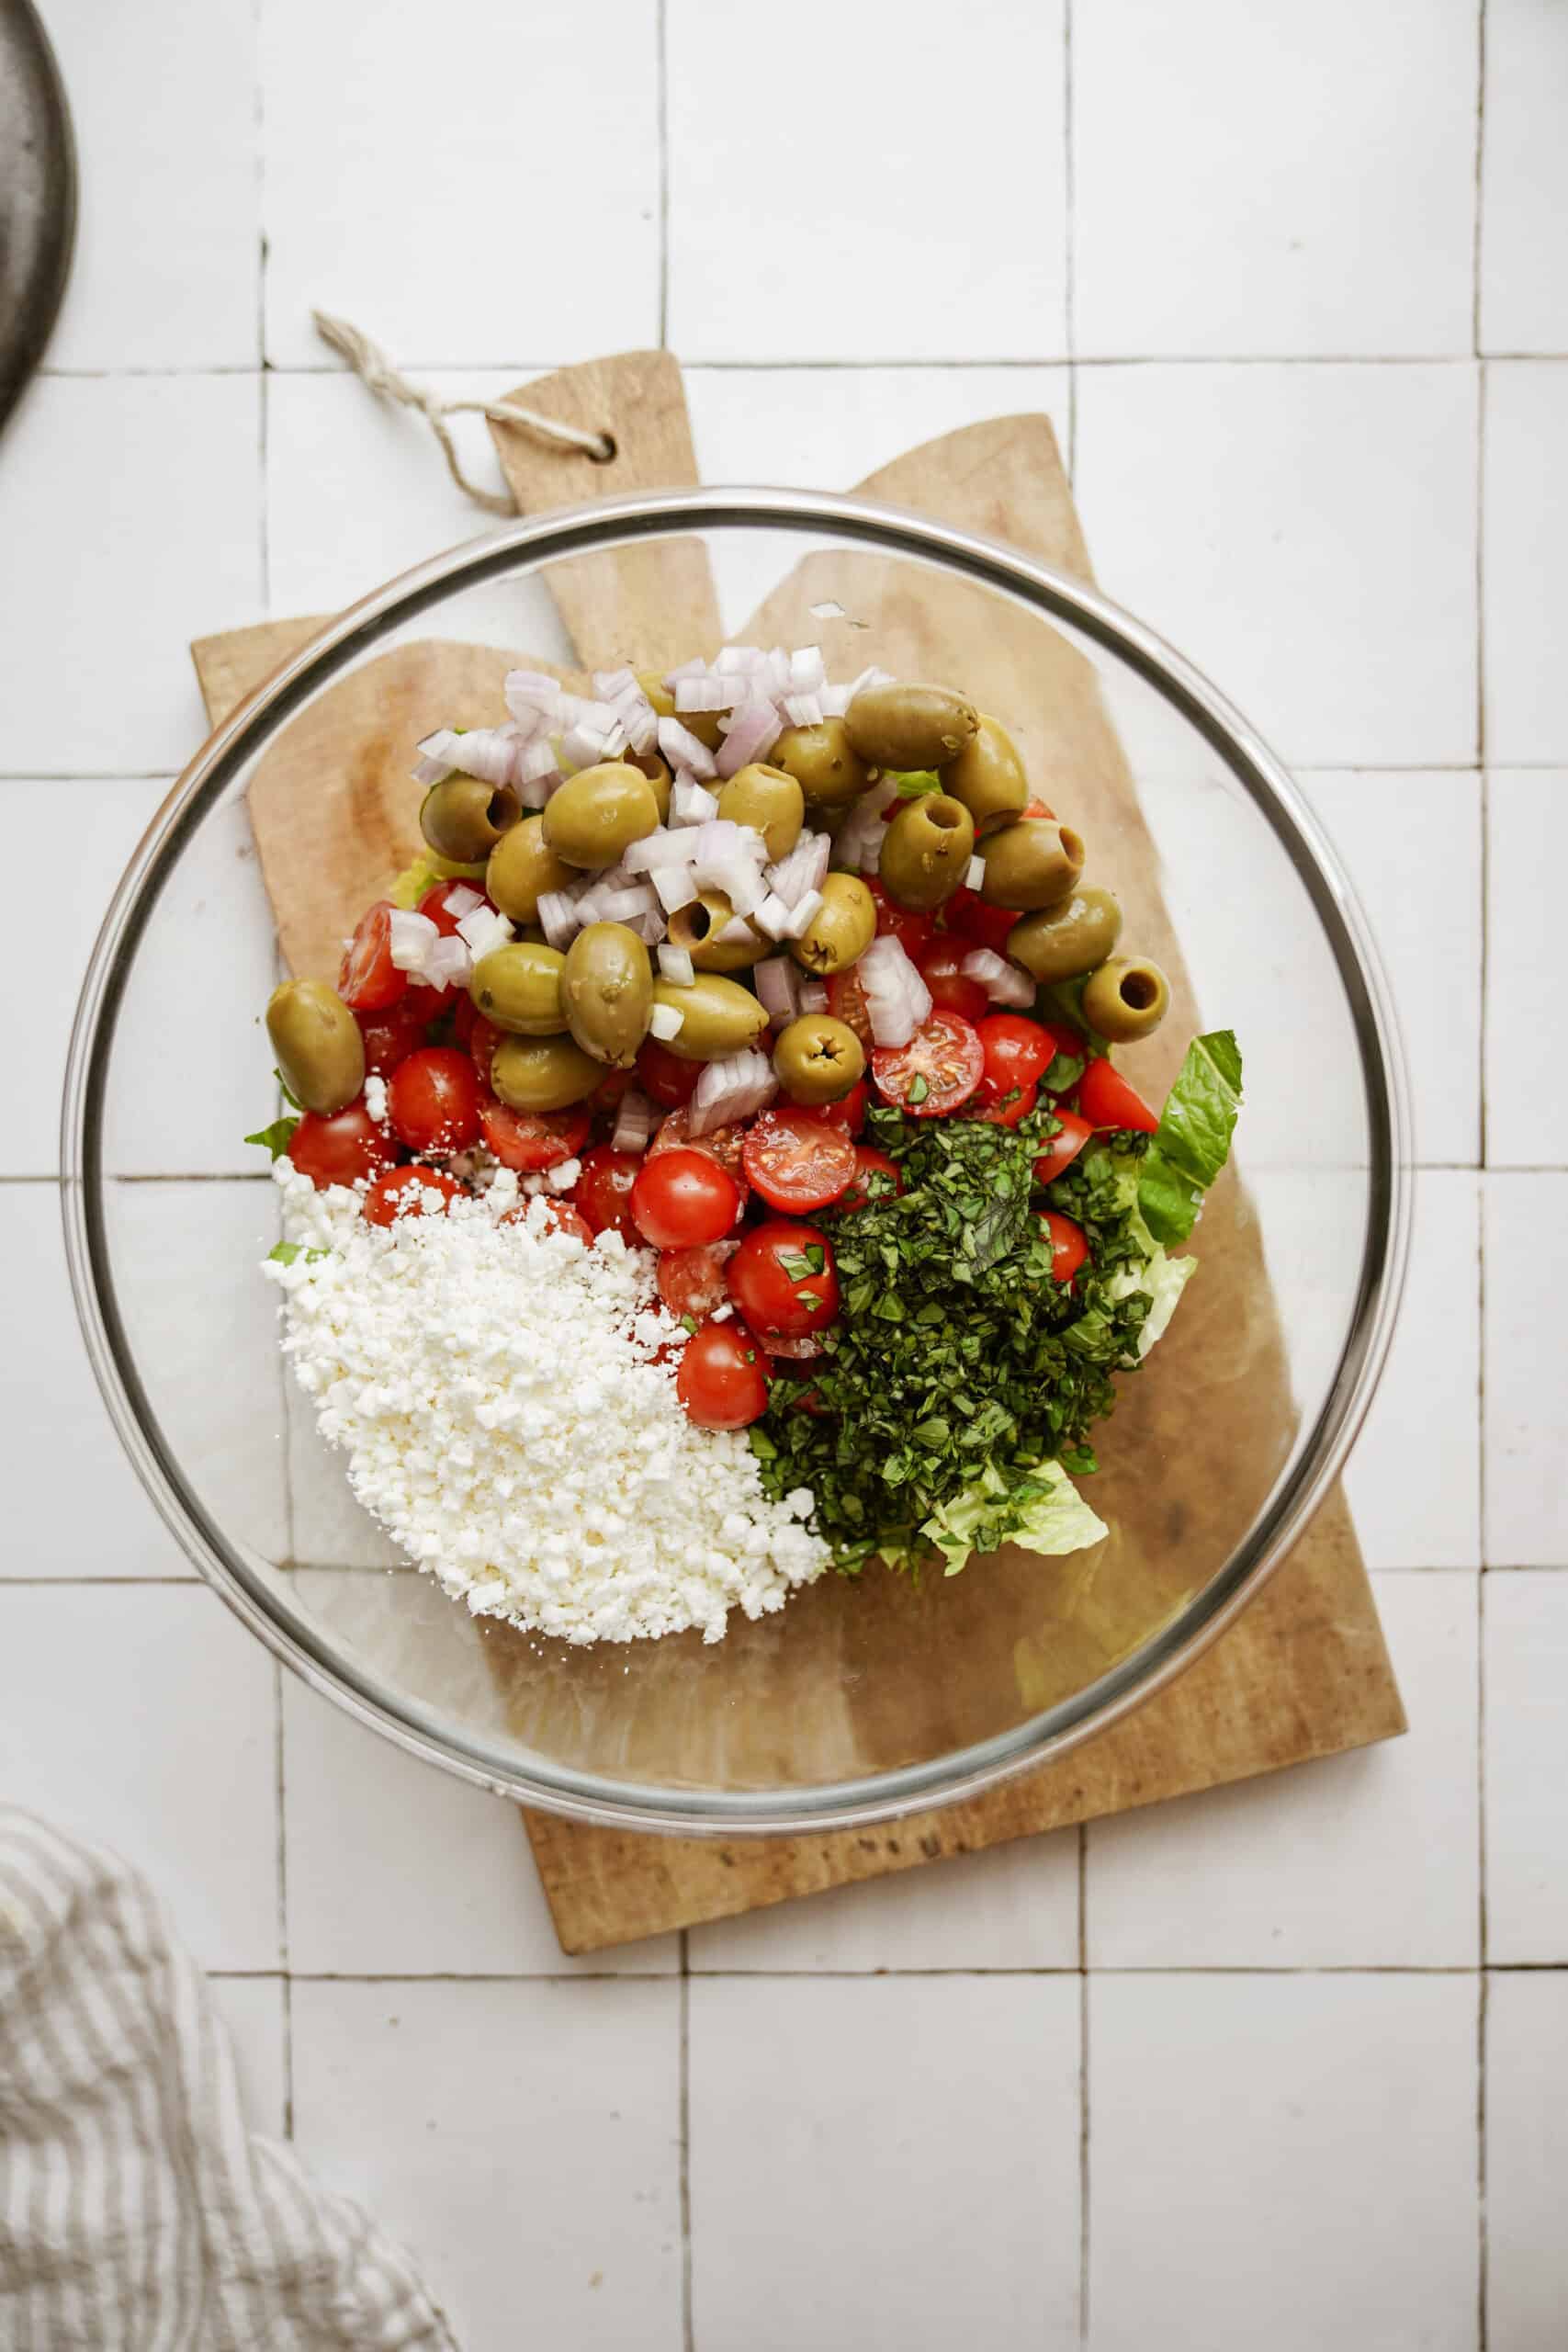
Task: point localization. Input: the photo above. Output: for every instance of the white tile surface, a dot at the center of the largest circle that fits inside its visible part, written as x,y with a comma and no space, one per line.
1527,1764
1524,299
1526,560
892,2163
57,1436
252,2010
1266,144
439,234
519,2138
1363,1861
1306,534
1527,1397
1527,2158
132,503
1281,2158
363,1824
1016,1906
143,1717
1412,843
1526,1018
846,239
1415,1477
164,100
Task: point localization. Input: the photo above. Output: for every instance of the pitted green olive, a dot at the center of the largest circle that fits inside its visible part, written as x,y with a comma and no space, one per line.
519,988
842,927
910,727
1062,941
817,1059
543,1073
319,1050
1127,998
823,762
987,777
608,992
1031,864
462,818
595,817
926,851
769,800
649,764
702,724
522,867
717,1017
700,930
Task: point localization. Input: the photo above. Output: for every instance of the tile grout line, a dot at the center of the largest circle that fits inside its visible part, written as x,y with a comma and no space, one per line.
662,83
1483,2016
772,363
1069,240
688,2338
284,1952
872,1975
1083,2084
1483,2250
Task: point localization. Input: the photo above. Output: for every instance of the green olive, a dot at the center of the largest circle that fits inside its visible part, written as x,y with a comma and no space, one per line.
1127,998
463,818
607,990
543,1073
319,1050
519,988
842,927
823,762
699,929
769,801
702,724
818,1058
522,867
987,777
926,851
649,764
1031,864
717,1017
595,817
910,727
1062,941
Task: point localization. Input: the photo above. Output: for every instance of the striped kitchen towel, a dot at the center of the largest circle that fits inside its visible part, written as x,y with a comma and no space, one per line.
137,2214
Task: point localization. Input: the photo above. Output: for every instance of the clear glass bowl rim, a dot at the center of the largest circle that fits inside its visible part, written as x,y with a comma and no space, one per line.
965,1772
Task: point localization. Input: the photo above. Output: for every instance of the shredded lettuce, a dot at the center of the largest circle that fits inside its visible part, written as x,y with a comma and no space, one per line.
424,874
1194,1139
1044,1512
275,1138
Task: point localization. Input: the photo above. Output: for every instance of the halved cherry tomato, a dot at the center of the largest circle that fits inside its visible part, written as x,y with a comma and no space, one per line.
951,988
967,913
603,1190
798,1160
902,924
433,1100
848,1114
390,1037
559,1216
607,1094
483,1039
1069,1247
723,1144
367,979
936,1072
666,1079
341,1146
434,907
797,1346
846,1003
1005,1109
691,1282
869,1162
410,1192
679,1197
1063,1148
722,1381
1017,1053
1107,1101
533,1140
782,1279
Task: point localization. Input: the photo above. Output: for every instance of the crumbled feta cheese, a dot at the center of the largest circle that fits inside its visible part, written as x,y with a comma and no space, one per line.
376,1097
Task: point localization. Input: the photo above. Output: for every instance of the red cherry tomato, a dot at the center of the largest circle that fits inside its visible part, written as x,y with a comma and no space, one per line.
691,1282
782,1279
849,1113
936,1072
1063,1148
869,1162
1035,808
846,1003
951,989
797,1344
558,1215
1017,1053
967,914
679,1197
410,1192
1069,1246
1107,1101
797,1160
367,979
433,1100
483,1039
665,1078
341,1146
607,1094
434,907
723,1144
533,1140
902,924
1008,1109
391,1035
603,1190
722,1381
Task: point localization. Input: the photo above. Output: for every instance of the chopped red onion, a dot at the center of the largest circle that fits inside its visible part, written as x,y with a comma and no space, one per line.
709,692
1003,981
649,928
623,906
692,669
666,1021
835,701
537,759
460,901
802,870
447,964
691,803
676,886
871,677
779,988
803,710
808,671
740,881
662,848
560,919
975,879
730,1089
755,728
736,933
634,1122
773,673
681,749
896,997
804,913
739,659
482,929
609,685
530,694
676,966
640,721
584,746
411,938
858,848
813,996
772,917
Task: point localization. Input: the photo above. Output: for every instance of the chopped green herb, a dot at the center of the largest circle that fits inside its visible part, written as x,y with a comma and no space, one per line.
809,1298
275,1138
917,783
1064,1074
797,1265
689,1324
918,1087
286,1252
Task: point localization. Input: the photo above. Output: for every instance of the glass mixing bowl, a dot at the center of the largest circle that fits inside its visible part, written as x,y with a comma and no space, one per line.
861,1700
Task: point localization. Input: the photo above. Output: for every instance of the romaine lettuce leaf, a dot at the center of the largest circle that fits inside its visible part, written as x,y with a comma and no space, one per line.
1044,1512
424,874
1193,1141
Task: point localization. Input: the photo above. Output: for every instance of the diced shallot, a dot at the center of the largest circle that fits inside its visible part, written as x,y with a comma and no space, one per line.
739,658
691,803
681,749
975,879
802,870
740,881
676,886
649,928
666,1021
1004,981
803,710
808,671
896,997
537,759
730,1089
662,848
530,694
858,848
779,988
734,933
584,746
560,918
676,966
755,728
482,929
610,684
639,719
460,901
411,938
634,1122
623,906
804,913
708,692
772,917
813,996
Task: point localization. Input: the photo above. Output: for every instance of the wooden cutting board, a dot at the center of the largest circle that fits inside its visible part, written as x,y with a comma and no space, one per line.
1303,1672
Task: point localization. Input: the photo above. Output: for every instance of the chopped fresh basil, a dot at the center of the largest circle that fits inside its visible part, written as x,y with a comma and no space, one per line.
918,1087
275,1138
286,1252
